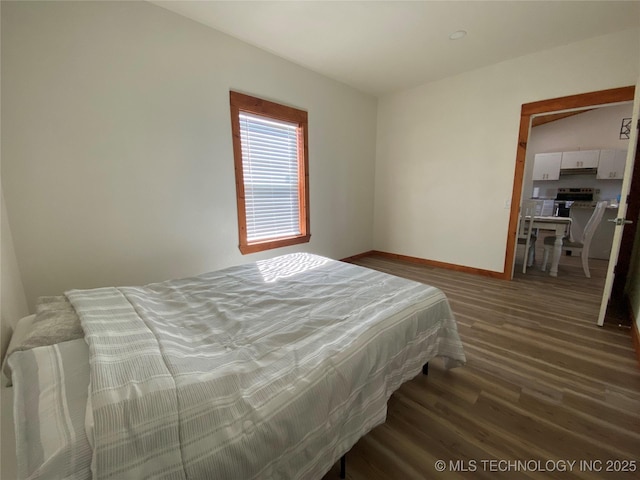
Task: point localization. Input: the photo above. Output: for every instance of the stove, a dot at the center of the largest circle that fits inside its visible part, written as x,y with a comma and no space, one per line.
566,197
575,194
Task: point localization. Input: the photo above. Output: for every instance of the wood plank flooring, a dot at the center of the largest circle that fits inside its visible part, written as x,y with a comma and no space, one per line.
543,385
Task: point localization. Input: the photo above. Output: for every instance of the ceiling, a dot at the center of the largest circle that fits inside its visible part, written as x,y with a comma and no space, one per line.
538,120
380,47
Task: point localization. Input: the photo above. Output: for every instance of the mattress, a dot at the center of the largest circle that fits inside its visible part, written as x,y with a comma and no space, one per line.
267,370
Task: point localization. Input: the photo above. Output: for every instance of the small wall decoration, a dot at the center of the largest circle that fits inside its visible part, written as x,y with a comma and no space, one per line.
625,129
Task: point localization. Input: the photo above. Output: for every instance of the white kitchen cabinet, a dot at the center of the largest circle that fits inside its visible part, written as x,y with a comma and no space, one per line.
546,166
611,164
580,159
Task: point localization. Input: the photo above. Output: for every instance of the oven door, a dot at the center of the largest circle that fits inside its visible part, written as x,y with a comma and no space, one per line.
563,208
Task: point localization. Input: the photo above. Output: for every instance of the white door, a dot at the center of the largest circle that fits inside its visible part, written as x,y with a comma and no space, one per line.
622,209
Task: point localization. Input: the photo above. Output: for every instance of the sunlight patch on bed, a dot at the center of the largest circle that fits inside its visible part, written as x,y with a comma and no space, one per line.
289,265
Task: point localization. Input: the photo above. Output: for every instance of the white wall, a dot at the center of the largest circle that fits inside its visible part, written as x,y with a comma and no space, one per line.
116,145
592,130
446,150
13,303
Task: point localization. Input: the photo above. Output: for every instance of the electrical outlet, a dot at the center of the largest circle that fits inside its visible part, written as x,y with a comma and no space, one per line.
507,204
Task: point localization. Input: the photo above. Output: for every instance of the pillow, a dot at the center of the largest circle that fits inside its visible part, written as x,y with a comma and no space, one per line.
55,321
20,332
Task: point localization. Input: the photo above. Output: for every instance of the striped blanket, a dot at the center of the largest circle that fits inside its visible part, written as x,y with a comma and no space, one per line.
270,370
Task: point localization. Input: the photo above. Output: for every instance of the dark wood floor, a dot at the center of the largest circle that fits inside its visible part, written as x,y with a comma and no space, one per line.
543,385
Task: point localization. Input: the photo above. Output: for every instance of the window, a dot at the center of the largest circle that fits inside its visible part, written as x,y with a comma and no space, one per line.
272,180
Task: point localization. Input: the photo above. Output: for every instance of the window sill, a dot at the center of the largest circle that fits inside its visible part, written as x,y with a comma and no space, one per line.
270,244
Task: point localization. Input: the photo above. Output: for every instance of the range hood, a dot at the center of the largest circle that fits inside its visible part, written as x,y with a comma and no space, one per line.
579,171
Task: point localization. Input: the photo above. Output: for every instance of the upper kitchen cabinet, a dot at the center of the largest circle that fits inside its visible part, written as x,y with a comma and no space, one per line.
546,166
611,164
580,159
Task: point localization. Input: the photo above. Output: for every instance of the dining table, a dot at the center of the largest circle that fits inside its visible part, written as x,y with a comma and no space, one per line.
562,228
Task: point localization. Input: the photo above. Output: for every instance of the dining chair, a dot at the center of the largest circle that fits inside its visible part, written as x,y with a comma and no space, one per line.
526,234
581,245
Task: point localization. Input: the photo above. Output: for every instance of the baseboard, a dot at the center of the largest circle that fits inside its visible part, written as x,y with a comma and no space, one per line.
358,256
432,263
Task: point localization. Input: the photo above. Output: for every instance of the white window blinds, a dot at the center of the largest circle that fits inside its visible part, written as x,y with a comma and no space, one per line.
270,174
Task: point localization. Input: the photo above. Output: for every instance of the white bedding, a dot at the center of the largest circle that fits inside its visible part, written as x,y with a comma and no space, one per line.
7,443
267,370
51,388
20,332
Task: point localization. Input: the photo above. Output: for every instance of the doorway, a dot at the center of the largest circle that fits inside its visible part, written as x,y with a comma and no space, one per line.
557,105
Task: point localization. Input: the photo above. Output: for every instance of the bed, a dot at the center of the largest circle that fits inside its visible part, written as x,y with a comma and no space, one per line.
272,369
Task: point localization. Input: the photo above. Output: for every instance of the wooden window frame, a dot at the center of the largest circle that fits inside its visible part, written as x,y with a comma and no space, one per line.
240,102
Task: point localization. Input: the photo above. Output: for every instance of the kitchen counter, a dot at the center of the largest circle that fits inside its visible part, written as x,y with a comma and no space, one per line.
592,205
